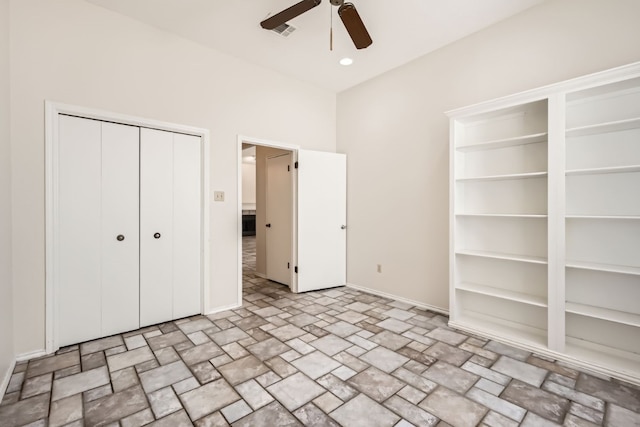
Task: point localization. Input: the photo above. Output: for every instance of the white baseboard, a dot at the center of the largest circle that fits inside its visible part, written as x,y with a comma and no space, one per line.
401,299
587,367
224,308
30,355
6,378
19,358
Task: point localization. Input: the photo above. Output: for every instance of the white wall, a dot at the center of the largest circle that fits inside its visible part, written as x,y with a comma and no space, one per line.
73,52
6,295
395,134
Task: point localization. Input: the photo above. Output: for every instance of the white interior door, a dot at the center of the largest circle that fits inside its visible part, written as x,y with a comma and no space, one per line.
97,189
322,214
187,235
120,217
170,224
278,217
156,226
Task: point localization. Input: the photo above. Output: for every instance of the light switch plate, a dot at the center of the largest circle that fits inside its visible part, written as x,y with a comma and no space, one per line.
218,196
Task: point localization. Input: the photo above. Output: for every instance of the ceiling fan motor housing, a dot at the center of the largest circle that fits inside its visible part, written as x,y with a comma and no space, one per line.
337,2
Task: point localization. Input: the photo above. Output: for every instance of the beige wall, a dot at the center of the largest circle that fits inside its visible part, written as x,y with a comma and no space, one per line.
395,134
73,52
262,153
6,299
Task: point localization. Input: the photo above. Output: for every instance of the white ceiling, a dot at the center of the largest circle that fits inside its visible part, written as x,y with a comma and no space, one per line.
402,30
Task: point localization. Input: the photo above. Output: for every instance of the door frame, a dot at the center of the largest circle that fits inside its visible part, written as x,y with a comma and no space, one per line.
52,112
294,201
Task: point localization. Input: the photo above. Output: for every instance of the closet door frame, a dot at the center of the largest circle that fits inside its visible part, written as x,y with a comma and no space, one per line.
53,110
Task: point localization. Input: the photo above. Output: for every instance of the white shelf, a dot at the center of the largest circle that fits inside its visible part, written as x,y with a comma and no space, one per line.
498,255
608,217
603,314
496,215
604,127
502,294
503,143
621,361
494,327
596,171
504,177
623,269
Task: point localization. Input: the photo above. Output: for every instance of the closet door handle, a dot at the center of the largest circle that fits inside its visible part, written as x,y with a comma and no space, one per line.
268,225
120,238
156,235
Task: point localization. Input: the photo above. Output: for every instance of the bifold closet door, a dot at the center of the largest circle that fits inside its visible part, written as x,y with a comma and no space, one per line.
170,201
97,256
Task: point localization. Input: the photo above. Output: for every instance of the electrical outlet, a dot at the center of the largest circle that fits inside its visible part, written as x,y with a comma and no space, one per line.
379,268
218,196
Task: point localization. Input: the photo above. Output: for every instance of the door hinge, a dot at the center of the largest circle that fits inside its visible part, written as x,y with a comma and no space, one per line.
288,168
295,165
295,269
288,265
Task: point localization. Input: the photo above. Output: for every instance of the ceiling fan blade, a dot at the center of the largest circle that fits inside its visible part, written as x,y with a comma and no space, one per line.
288,14
354,25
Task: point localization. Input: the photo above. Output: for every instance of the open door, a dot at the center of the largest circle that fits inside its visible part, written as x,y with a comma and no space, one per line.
279,224
322,215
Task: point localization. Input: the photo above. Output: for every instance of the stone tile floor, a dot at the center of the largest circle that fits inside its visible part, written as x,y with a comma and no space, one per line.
338,357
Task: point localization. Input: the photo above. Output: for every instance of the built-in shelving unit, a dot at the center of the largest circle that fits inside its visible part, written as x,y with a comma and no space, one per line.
603,223
545,220
500,186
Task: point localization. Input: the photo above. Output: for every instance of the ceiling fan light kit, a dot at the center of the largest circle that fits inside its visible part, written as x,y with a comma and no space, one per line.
347,12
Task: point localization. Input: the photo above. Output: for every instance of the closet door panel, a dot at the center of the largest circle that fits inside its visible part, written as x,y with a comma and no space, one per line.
186,225
79,230
156,226
120,230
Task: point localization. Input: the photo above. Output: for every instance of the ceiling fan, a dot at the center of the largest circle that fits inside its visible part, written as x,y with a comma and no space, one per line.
347,12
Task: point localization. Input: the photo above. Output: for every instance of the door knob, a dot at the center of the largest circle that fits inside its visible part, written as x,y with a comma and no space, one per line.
268,225
156,235
343,227
120,238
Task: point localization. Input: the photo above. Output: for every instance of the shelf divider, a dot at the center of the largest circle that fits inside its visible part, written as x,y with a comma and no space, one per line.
606,127
498,215
618,360
521,297
610,217
498,255
598,171
503,177
625,318
507,142
500,328
623,269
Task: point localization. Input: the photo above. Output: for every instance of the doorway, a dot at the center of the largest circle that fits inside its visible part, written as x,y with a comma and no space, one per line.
318,216
267,201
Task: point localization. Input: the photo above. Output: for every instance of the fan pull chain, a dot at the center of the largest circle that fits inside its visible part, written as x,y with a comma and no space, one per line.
331,29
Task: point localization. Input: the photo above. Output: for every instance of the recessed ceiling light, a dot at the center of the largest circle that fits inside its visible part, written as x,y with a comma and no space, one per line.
346,61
